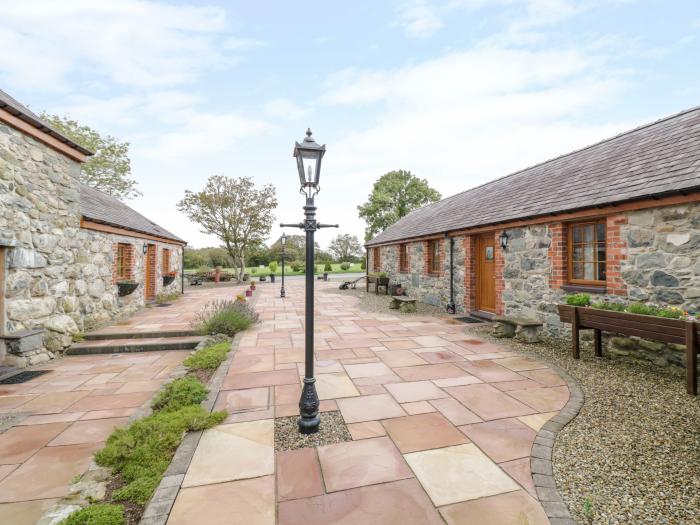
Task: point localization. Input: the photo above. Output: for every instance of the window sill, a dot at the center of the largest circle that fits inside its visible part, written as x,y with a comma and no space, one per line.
582,288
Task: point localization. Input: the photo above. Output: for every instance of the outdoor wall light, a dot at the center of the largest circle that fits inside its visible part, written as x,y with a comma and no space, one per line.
145,248
504,240
309,155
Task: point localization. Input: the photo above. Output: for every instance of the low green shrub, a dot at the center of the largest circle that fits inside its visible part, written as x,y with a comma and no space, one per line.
179,393
98,514
671,313
363,265
604,305
165,298
297,266
345,266
253,270
224,317
579,299
208,357
142,451
273,266
328,267
642,309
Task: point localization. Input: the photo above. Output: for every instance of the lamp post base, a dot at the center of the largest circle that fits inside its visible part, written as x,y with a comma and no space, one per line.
282,294
308,408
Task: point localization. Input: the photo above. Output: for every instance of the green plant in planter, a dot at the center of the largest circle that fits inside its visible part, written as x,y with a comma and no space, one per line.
605,305
579,299
382,275
642,309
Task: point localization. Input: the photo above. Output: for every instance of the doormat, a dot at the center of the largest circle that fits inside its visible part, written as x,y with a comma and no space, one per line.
469,320
23,377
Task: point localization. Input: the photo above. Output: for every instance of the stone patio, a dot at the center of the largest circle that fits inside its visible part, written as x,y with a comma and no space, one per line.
442,424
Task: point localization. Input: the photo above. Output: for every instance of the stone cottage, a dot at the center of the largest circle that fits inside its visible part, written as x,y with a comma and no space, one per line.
67,249
619,219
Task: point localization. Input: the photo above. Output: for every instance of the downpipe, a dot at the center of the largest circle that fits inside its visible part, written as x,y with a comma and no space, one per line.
451,308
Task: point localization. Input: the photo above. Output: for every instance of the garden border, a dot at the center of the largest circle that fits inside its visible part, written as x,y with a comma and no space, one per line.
541,468
158,509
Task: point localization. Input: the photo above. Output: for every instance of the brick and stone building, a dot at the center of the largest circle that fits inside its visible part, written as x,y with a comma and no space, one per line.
619,219
64,246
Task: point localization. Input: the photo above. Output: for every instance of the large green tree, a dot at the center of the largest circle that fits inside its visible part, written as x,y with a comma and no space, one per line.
233,210
345,247
109,169
393,196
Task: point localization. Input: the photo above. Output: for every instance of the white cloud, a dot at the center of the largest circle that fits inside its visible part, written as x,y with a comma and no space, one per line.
135,43
284,108
420,18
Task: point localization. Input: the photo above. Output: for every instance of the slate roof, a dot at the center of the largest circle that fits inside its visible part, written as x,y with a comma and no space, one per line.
22,112
656,159
105,209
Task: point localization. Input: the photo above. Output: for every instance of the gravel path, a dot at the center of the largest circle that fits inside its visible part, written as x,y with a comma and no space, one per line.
632,456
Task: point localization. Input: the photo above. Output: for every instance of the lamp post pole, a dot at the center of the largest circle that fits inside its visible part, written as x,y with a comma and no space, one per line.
283,241
308,155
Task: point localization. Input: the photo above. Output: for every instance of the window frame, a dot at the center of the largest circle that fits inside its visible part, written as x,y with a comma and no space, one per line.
434,266
403,257
596,242
123,270
376,259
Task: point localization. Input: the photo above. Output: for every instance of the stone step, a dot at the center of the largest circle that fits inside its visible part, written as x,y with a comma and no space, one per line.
116,346
102,335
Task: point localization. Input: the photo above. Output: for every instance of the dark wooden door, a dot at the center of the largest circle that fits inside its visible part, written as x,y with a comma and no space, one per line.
150,290
486,273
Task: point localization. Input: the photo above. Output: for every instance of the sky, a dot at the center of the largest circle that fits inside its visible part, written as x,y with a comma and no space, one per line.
459,92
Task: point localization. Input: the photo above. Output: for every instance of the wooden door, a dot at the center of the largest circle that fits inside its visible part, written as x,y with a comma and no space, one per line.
150,269
486,273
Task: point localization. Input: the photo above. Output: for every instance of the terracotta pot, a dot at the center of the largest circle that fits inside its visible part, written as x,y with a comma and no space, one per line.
249,293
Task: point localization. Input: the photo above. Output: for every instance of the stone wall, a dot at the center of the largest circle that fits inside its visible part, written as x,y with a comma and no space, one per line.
57,275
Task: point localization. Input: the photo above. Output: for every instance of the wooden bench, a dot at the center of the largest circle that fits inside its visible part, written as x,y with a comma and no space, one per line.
403,303
528,330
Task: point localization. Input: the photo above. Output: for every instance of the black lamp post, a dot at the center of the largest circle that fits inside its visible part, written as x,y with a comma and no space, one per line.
309,155
283,242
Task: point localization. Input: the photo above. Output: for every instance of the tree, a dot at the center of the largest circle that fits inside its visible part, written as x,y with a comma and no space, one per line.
294,250
393,196
345,247
233,210
109,169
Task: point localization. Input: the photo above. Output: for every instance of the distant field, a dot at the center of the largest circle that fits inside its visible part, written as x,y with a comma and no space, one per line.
256,270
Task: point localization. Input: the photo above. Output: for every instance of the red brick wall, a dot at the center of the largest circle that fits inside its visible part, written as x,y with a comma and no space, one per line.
558,254
470,273
498,270
616,252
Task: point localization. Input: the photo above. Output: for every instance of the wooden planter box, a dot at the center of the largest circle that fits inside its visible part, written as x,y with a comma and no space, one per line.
676,331
124,289
168,279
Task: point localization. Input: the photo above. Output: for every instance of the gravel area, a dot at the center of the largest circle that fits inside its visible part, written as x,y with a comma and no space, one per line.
632,455
380,303
332,430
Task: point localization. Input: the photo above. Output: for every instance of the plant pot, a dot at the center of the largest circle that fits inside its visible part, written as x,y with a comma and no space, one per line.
168,279
252,287
383,281
249,293
325,276
272,277
126,288
263,278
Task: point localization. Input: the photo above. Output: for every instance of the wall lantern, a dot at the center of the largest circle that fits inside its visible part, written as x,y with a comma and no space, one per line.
145,248
504,240
309,155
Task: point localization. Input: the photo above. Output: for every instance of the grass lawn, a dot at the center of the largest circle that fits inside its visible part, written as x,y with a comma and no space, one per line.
255,271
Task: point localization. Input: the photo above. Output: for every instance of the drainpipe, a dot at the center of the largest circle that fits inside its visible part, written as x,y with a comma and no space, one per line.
182,269
451,305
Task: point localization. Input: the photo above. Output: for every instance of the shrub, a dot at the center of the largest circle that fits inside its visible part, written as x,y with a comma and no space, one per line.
642,309
363,264
579,299
298,266
328,267
273,266
208,357
165,298
224,317
345,266
179,393
253,270
99,514
604,305
142,451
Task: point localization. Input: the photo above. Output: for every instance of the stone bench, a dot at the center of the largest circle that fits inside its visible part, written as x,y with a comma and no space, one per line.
403,303
25,347
528,330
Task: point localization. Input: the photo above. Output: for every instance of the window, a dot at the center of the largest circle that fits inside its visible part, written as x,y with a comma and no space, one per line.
403,257
376,263
587,253
166,260
123,261
434,256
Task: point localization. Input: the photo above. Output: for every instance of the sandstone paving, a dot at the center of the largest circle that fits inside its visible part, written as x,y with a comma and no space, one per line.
442,424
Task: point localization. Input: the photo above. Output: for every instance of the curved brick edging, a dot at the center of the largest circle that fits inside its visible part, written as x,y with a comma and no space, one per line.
541,453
